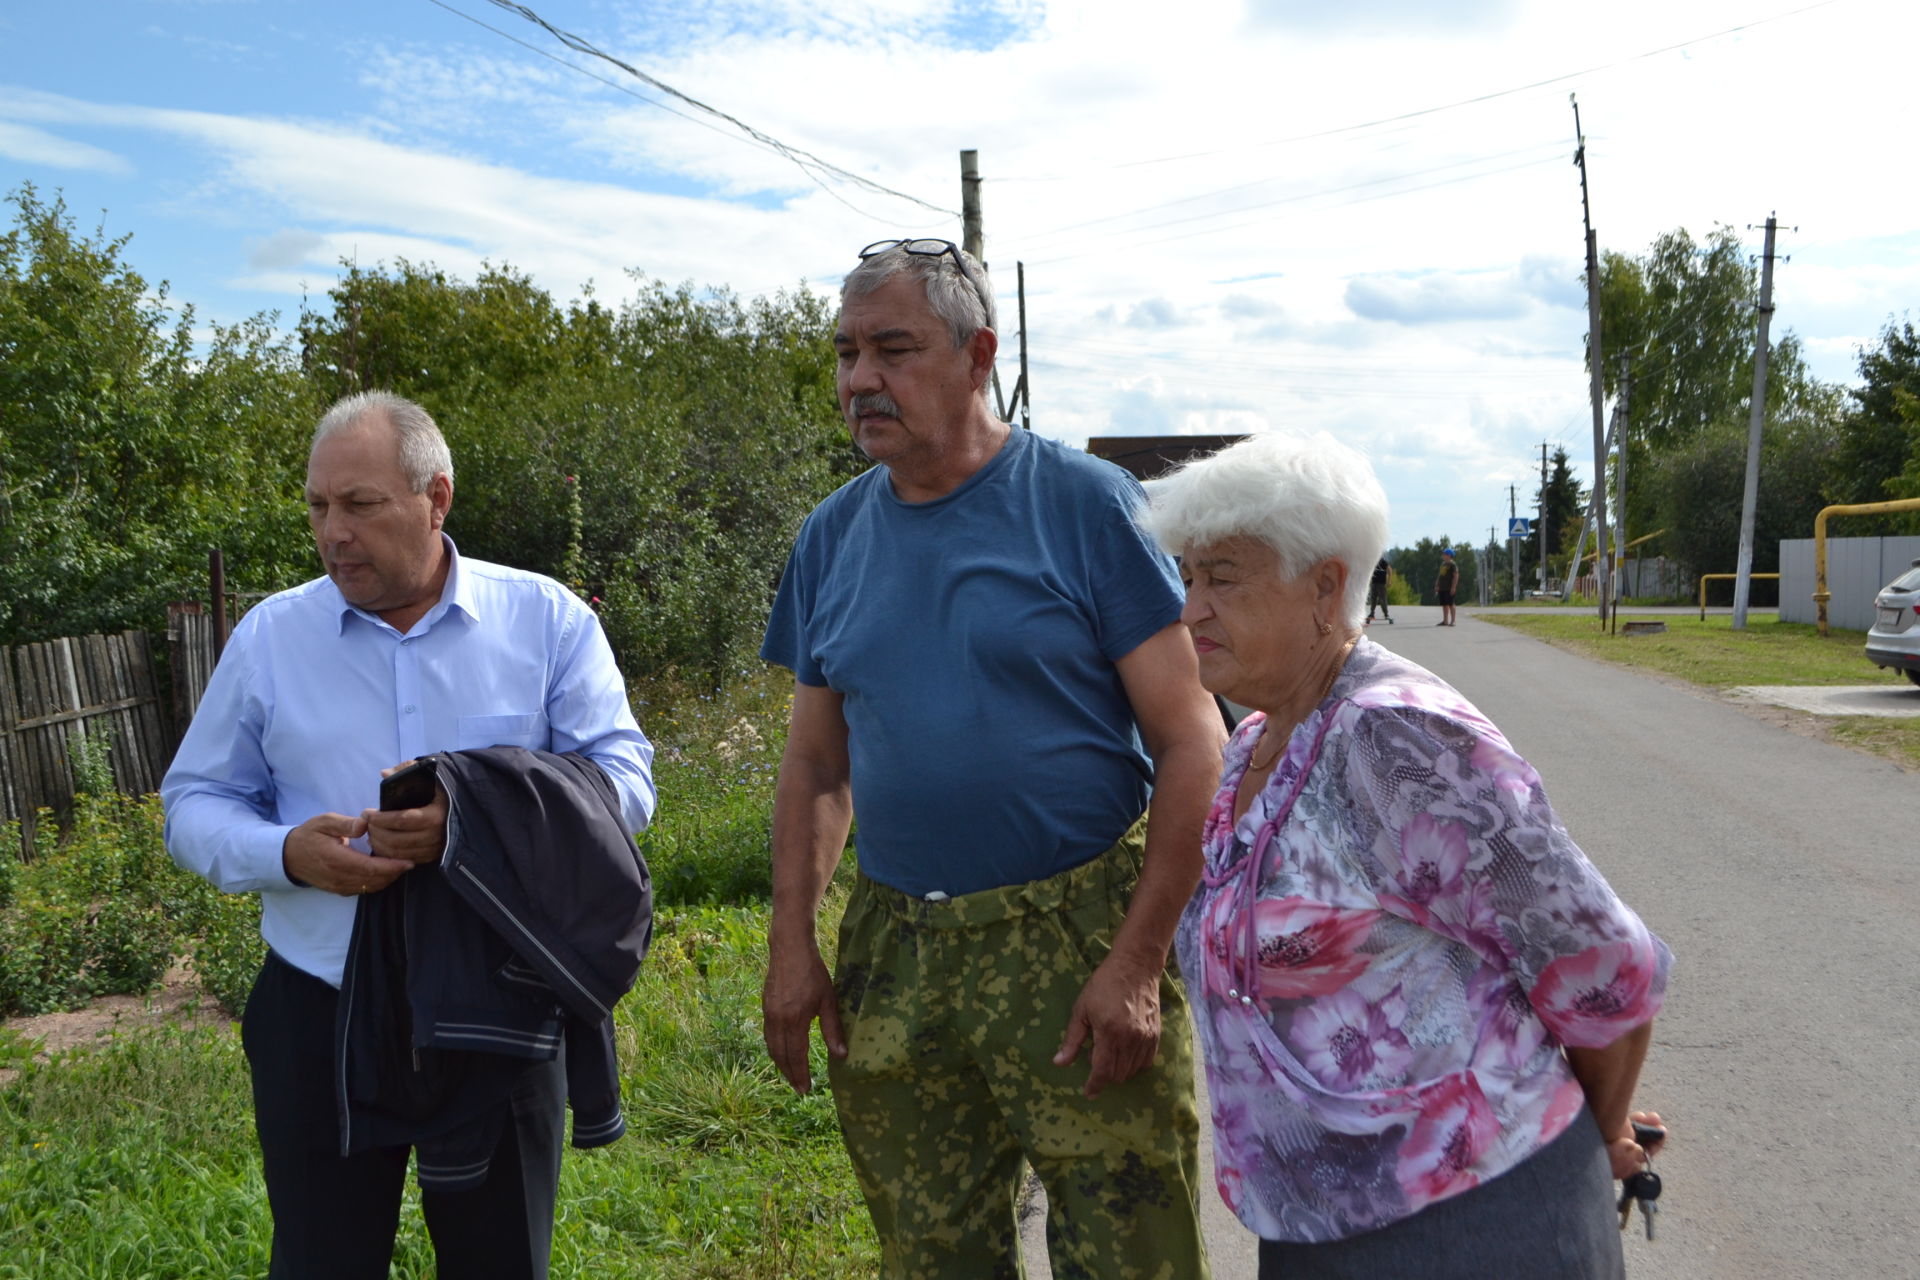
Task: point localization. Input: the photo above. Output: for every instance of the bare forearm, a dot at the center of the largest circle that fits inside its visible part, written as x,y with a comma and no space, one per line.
811,817
1184,783
1608,1077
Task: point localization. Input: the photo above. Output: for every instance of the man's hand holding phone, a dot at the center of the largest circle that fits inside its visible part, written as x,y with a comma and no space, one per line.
411,823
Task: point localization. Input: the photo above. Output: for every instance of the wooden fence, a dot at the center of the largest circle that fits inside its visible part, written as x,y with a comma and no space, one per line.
102,689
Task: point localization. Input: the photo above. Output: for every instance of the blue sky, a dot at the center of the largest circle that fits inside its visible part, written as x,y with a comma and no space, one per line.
1233,216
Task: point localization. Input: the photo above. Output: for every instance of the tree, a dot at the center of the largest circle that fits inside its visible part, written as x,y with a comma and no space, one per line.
658,456
1419,567
1566,505
1690,487
1683,317
1879,450
125,453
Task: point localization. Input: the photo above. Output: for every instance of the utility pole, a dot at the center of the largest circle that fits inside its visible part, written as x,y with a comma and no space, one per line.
1601,561
1023,390
1621,433
1543,517
1486,568
1750,497
972,238
1513,544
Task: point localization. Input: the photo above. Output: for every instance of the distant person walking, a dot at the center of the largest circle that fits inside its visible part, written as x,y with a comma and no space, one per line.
1446,585
1377,591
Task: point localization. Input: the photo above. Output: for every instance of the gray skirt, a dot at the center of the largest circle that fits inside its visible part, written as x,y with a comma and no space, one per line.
1550,1217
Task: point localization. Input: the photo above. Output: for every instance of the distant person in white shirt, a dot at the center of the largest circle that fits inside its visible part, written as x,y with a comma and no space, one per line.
403,649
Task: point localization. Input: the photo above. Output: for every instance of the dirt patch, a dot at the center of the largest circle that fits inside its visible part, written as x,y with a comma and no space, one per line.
178,999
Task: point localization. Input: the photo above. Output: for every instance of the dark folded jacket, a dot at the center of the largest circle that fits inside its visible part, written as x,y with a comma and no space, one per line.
462,975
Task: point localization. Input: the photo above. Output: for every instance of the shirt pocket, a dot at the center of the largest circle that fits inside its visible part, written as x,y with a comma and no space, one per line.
501,731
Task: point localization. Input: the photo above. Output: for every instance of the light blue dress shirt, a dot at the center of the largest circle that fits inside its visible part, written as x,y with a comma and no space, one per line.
313,698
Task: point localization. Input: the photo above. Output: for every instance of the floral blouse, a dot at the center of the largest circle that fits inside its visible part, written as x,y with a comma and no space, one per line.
1385,955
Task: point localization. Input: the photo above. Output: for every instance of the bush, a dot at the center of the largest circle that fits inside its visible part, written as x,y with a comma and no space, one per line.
106,912
716,758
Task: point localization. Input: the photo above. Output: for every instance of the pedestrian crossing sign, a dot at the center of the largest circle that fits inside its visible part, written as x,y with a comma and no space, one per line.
1519,527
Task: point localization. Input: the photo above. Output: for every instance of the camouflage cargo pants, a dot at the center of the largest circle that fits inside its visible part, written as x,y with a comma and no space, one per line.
953,1012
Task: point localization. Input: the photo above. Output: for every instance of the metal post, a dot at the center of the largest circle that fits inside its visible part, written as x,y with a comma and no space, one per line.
1750,496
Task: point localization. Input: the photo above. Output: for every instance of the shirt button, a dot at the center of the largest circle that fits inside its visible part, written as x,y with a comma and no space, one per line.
1232,994
408,708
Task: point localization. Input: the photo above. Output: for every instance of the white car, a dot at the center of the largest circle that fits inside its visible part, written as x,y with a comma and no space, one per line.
1895,638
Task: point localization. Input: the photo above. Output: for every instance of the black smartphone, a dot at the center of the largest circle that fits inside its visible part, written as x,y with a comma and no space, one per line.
409,787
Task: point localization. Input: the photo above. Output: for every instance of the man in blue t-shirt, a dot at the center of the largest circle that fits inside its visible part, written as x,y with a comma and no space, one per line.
991,674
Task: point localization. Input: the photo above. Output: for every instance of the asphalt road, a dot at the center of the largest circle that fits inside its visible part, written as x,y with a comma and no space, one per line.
1781,871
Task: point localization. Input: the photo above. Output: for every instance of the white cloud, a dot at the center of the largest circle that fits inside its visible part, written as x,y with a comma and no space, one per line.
29,145
1210,245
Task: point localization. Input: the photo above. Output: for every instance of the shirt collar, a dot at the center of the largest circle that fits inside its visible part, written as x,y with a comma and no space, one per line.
456,594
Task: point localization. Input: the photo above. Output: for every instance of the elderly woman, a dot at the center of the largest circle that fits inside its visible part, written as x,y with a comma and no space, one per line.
1423,1010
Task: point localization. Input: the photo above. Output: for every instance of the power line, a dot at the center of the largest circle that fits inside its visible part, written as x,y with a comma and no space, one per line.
1385,195
806,161
1484,97
1292,199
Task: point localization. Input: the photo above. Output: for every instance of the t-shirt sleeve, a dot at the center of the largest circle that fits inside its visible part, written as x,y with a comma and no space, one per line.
1463,842
1136,589
787,643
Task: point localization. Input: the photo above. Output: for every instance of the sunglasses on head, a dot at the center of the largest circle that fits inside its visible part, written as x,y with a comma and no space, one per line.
928,248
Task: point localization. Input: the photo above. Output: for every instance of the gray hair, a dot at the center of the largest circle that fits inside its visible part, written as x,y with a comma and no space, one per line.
423,450
965,310
1310,498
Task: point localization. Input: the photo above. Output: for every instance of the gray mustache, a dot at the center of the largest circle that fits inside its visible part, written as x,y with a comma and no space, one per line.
873,402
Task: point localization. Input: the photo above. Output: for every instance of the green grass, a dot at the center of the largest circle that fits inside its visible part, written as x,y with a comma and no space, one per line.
1712,654
137,1159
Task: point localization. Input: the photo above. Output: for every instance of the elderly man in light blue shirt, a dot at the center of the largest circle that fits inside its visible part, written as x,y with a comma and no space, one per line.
402,649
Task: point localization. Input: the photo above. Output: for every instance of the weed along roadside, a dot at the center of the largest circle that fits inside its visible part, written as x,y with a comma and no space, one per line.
1709,654
137,1156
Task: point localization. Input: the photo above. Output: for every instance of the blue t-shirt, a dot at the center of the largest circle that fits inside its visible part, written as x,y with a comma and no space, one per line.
973,640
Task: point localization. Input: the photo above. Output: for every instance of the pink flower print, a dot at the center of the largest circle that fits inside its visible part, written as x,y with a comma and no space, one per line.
1498,761
1231,1184
1593,998
1563,1110
1303,948
1511,1034
1455,1128
1437,894
1433,857
1348,1041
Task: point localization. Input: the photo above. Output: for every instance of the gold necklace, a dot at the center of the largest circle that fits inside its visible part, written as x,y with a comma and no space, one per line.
1269,733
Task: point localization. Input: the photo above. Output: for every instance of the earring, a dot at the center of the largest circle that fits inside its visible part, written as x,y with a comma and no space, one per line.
1326,628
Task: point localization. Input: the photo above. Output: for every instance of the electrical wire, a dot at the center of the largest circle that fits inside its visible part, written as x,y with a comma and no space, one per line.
1558,149
1341,204
1484,97
806,161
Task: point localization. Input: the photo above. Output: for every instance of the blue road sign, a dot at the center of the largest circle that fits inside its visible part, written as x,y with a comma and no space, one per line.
1519,527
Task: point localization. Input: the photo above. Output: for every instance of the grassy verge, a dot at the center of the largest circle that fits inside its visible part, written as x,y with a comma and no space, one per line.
138,1158
1714,655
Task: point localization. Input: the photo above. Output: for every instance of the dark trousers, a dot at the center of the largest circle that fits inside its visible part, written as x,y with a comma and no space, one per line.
334,1217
